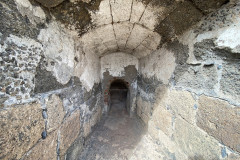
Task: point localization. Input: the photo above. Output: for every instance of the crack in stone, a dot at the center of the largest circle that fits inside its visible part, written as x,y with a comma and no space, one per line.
144,11
140,44
112,24
131,11
135,23
129,36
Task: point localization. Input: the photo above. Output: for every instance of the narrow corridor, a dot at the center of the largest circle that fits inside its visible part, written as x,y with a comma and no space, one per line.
115,137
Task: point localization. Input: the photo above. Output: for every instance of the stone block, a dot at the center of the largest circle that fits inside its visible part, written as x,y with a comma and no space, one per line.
162,119
86,128
137,35
20,129
137,10
103,15
122,32
69,131
220,120
230,81
197,78
181,19
195,143
156,11
107,36
45,150
55,113
144,109
121,10
182,103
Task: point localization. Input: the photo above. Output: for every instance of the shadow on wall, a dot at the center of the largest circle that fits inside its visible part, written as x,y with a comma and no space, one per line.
119,96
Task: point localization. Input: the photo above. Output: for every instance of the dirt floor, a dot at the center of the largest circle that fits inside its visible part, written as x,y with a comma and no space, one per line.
119,137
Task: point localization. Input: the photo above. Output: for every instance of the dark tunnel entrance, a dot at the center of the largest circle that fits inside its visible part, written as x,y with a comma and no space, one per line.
119,97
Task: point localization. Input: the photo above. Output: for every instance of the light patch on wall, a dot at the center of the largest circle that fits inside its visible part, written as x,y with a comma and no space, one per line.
230,38
116,62
58,44
35,14
160,64
91,75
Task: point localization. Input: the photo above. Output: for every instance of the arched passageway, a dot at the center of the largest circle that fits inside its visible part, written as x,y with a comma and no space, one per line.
119,97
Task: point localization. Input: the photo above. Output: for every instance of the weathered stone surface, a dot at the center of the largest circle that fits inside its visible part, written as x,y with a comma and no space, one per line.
76,148
220,120
63,13
92,121
45,150
69,131
195,143
45,81
55,113
230,81
156,11
21,128
10,15
144,109
181,19
103,14
160,64
49,4
162,119
182,103
19,58
210,5
180,51
122,32
200,79
121,10
137,10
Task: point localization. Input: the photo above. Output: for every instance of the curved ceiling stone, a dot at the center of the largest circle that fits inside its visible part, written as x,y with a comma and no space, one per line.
136,27
122,25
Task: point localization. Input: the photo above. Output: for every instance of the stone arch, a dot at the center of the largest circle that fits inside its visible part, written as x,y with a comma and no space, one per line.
119,96
117,84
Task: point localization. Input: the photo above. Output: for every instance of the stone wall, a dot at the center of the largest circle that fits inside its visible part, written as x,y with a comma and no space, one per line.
120,66
188,90
50,90
183,80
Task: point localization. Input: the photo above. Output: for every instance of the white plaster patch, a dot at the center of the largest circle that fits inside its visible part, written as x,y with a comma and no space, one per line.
160,64
230,38
35,14
59,48
116,62
121,10
91,74
103,15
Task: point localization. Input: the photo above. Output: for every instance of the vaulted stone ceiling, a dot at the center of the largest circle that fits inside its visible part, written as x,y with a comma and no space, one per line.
136,27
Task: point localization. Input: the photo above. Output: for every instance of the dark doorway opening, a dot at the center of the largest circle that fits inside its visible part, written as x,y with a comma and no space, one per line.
119,96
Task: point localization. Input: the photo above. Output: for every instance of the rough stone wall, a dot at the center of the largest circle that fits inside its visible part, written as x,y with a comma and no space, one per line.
120,66
50,90
189,96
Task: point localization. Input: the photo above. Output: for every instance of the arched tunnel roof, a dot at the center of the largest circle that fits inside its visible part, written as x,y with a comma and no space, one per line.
136,27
